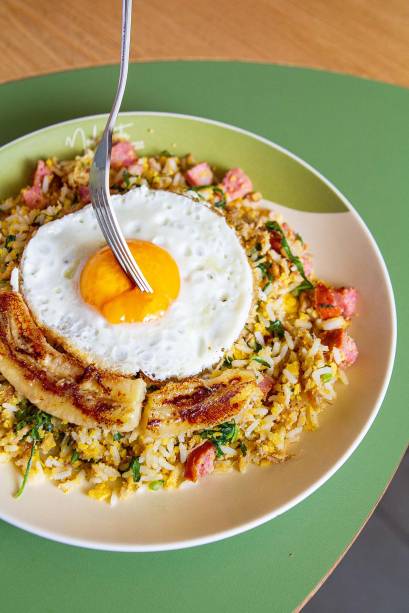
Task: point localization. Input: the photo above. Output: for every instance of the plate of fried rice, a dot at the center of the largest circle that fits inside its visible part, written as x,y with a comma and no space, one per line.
141,424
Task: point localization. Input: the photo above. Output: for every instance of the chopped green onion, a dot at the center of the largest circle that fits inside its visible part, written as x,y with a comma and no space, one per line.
117,436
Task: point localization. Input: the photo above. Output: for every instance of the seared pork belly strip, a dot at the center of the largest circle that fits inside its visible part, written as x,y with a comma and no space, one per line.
56,382
199,403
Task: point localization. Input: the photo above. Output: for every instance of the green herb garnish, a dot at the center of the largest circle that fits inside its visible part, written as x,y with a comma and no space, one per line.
156,485
135,467
75,456
243,449
276,328
227,432
327,377
257,346
261,361
126,177
306,284
117,436
39,422
298,237
265,271
9,240
227,362
221,203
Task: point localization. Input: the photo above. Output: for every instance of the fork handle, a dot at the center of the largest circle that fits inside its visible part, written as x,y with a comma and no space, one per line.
103,153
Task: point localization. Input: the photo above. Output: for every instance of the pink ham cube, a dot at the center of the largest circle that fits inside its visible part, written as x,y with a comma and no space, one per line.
236,184
33,196
122,154
199,175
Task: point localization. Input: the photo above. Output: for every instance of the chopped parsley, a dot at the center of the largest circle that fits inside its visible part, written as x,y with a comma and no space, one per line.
39,423
226,432
276,328
135,467
306,283
117,436
9,240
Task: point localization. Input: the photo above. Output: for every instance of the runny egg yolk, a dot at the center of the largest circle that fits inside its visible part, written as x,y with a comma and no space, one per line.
105,286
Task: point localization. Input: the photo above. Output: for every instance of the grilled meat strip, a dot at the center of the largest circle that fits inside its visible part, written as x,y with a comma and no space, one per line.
58,383
199,403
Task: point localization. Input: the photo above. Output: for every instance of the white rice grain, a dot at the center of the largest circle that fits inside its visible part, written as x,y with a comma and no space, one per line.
251,428
289,340
335,323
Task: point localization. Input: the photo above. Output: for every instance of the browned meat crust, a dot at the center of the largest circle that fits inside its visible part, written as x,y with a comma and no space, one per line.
57,382
199,403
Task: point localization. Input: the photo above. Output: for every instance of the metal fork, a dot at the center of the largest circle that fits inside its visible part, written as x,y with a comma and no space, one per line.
99,175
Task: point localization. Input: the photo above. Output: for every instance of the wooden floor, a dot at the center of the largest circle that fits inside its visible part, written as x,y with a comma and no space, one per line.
363,37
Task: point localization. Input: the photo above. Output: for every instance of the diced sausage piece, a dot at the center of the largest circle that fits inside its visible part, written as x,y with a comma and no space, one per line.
266,384
325,303
275,240
343,342
307,263
122,154
236,184
350,350
84,194
200,461
201,174
346,299
41,171
33,197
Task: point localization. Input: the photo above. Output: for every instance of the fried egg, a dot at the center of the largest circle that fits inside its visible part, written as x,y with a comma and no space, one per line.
201,279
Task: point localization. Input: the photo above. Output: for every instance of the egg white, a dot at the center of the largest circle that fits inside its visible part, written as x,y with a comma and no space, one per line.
206,318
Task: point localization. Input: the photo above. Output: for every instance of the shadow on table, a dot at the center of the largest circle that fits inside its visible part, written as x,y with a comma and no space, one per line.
374,575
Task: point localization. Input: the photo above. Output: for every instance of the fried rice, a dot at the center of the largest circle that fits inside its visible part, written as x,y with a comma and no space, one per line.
282,340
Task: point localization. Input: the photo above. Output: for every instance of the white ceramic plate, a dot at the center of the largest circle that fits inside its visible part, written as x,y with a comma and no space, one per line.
345,254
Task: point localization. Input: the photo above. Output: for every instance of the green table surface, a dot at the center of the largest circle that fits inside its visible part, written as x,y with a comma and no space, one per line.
356,133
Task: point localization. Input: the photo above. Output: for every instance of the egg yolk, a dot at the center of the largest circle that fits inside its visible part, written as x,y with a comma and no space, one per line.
105,286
